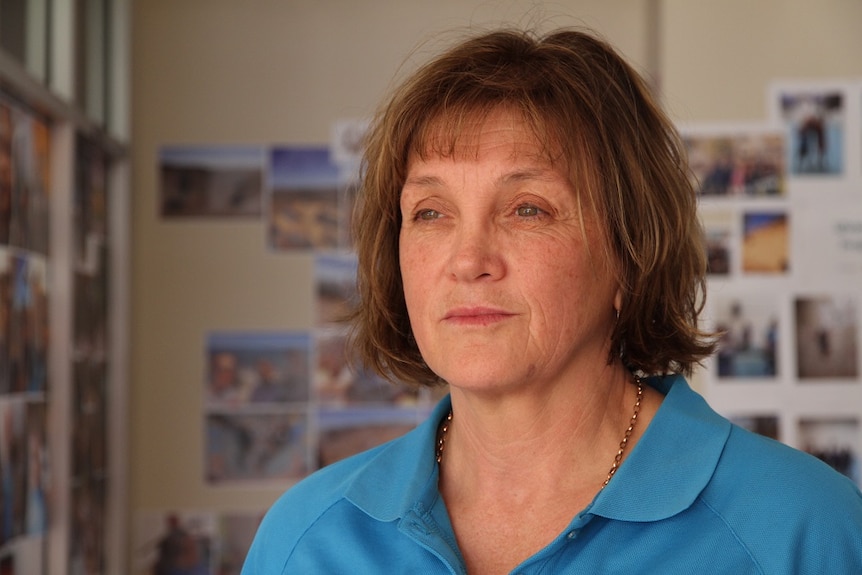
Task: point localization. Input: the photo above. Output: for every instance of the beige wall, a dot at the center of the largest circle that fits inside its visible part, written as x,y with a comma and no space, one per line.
280,71
718,56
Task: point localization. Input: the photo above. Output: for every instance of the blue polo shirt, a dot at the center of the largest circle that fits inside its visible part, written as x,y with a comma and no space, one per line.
697,494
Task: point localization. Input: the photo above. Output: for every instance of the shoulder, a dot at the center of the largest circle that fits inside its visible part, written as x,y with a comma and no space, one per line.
298,509
342,491
763,466
760,484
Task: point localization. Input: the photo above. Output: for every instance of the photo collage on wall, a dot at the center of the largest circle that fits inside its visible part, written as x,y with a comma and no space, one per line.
781,204
24,327
277,405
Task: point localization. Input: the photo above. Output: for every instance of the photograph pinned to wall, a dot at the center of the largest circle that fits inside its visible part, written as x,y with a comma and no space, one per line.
765,242
736,160
193,542
258,445
13,467
26,200
343,432
766,425
24,467
235,535
24,310
721,243
335,287
305,186
253,368
38,478
32,294
827,339
175,542
25,178
815,119
347,137
338,381
834,440
750,328
211,181
39,195
827,242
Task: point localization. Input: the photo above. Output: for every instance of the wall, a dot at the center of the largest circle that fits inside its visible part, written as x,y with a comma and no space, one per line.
269,71
718,57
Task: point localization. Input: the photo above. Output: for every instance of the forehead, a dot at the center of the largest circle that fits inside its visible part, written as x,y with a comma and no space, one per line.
468,135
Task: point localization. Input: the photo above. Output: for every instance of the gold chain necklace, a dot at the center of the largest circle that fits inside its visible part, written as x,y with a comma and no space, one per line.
444,431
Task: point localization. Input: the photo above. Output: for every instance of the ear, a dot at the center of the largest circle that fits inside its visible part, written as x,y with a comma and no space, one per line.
618,301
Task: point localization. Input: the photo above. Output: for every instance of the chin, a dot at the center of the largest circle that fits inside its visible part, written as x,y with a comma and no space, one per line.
480,381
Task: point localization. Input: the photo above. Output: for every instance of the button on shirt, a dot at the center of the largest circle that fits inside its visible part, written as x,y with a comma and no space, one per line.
695,495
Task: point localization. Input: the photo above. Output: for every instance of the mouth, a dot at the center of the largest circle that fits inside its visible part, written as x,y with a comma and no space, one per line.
476,316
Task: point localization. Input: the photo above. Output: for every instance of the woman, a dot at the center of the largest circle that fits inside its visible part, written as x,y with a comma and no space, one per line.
528,235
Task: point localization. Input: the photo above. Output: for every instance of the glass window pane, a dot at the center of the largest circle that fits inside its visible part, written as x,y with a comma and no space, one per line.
23,33
13,16
91,36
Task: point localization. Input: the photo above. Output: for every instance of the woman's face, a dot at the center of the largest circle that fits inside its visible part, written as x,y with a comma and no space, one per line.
499,281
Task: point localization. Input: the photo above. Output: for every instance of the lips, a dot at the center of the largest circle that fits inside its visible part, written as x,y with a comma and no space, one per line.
479,315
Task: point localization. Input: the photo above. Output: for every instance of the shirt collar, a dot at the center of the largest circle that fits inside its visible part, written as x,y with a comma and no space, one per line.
403,474
672,463
663,475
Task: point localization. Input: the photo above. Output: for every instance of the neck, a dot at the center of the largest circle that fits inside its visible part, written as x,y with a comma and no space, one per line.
571,439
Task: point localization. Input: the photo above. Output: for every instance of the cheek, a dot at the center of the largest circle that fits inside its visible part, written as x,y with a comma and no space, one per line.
407,265
412,266
571,284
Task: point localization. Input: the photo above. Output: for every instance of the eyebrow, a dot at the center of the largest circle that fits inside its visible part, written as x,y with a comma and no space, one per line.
423,182
544,174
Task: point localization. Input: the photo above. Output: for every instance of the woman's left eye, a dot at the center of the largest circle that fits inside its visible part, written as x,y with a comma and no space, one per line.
528,211
427,215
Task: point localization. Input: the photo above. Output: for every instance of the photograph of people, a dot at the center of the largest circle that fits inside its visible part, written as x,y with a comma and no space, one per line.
749,342
747,163
826,337
815,122
527,234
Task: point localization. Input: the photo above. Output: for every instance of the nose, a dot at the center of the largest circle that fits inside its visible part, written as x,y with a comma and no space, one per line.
476,254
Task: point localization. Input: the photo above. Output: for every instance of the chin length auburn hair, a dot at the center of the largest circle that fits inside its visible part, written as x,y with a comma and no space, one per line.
595,118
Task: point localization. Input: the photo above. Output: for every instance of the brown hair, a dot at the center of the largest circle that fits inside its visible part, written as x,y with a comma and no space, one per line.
593,112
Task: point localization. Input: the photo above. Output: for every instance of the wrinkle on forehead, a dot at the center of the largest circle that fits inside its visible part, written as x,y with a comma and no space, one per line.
458,135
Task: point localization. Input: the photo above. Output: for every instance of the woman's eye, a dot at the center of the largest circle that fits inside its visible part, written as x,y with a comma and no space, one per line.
427,215
528,211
